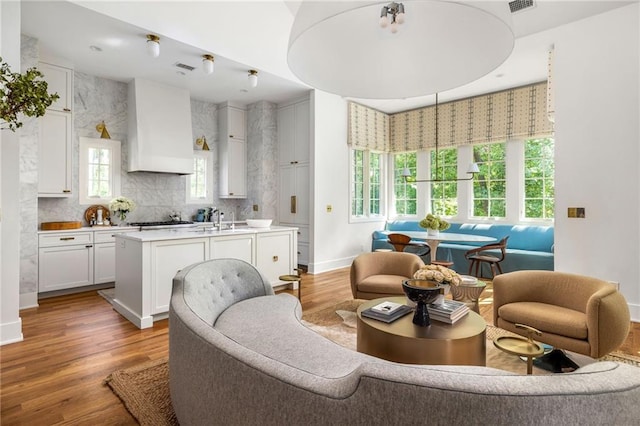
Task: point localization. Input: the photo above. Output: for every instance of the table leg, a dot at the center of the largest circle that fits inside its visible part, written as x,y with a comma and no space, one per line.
529,365
433,245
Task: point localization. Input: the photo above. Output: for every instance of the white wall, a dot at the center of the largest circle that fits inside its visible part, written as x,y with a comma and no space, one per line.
10,322
596,80
336,242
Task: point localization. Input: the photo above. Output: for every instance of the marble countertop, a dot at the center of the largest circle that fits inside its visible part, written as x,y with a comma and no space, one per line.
198,232
91,229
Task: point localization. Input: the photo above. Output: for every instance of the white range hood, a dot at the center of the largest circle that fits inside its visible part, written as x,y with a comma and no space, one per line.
160,138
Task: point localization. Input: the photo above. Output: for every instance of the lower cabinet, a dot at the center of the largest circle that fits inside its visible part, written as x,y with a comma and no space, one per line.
276,255
65,266
235,247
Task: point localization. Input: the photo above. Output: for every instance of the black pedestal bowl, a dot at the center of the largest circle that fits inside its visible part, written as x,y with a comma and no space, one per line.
422,292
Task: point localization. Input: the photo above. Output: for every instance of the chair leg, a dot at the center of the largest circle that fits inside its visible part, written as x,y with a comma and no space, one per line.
499,267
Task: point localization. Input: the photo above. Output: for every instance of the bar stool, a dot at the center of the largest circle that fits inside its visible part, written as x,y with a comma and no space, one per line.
293,279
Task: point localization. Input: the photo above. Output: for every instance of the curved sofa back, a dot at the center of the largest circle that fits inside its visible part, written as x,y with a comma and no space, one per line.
212,286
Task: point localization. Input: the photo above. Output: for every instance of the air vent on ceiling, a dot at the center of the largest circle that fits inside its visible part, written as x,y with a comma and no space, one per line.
185,66
520,5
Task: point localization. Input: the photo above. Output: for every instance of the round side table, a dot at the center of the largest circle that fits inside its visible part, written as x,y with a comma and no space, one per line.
294,279
468,293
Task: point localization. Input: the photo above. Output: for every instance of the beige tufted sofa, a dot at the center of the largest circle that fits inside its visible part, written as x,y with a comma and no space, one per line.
581,314
240,355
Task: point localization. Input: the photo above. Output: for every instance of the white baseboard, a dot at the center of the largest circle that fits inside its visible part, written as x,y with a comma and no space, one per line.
28,300
137,320
330,265
11,332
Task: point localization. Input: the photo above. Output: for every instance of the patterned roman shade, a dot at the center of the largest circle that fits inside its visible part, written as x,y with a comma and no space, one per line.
511,114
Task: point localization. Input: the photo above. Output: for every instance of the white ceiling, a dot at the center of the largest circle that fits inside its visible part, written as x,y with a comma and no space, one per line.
249,34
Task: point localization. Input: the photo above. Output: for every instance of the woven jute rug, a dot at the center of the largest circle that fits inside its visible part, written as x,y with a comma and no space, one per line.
144,389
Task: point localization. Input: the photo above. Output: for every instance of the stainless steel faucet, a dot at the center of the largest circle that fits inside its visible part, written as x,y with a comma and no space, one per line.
218,221
233,220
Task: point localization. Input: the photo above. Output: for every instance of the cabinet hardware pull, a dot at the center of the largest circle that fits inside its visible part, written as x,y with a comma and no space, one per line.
66,109
275,258
299,233
89,246
298,252
66,190
294,202
294,162
67,238
230,136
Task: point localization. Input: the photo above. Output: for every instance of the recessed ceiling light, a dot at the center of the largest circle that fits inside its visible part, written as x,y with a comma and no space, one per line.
95,48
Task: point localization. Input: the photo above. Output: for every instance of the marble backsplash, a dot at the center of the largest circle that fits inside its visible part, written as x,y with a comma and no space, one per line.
156,194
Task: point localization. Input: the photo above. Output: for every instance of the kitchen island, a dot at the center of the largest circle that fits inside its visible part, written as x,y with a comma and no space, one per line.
147,261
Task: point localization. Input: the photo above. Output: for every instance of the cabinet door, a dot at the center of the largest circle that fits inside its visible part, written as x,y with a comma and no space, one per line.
167,258
65,267
286,135
235,247
302,194
237,169
237,123
104,263
54,155
288,205
275,255
59,80
302,132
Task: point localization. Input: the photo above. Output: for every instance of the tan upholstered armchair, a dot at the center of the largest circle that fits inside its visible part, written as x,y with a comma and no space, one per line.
380,274
577,313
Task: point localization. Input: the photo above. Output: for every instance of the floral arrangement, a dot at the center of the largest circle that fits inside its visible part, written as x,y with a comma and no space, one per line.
439,274
121,206
434,222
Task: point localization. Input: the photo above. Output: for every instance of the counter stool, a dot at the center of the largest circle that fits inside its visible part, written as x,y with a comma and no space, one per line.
293,279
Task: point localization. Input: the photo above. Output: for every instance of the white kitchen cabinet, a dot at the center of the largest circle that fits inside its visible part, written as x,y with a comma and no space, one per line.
294,136
232,152
65,260
55,154
59,80
235,247
167,258
104,256
56,127
276,255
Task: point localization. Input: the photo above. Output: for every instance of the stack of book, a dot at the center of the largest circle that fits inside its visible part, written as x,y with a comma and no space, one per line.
450,311
386,311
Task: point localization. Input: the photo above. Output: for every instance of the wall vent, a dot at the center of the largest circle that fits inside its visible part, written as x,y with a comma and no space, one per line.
185,66
520,5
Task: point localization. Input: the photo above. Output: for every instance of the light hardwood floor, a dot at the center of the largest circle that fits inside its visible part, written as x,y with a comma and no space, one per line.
72,343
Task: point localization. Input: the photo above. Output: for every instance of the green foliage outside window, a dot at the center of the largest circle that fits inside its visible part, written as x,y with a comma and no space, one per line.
357,191
444,195
490,187
539,172
405,195
375,183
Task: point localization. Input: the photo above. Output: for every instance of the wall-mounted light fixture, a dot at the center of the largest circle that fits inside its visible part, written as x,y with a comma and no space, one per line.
472,170
253,78
153,45
207,63
396,10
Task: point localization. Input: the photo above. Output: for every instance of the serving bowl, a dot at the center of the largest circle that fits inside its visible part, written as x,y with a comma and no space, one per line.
259,223
422,292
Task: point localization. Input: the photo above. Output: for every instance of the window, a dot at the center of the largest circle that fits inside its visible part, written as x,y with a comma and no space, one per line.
366,184
200,183
99,169
444,195
490,188
404,194
539,169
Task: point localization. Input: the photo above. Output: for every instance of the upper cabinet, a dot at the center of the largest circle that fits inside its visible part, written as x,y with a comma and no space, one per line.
59,80
294,133
232,151
56,137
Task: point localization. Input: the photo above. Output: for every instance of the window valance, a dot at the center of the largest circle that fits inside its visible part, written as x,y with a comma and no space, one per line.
511,114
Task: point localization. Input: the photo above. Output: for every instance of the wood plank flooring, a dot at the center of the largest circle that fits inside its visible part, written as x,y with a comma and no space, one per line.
72,343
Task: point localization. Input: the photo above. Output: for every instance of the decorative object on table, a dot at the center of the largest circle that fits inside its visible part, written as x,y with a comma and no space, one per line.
375,312
441,274
24,94
434,224
468,293
92,215
121,206
102,128
201,143
423,292
449,311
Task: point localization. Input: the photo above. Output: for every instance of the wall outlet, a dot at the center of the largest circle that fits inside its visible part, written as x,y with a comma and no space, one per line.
255,207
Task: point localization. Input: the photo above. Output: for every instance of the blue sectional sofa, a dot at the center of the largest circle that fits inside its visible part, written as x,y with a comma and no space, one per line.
528,247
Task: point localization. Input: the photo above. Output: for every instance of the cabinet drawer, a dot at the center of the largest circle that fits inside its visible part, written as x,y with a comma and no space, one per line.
106,236
303,234
303,253
64,239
